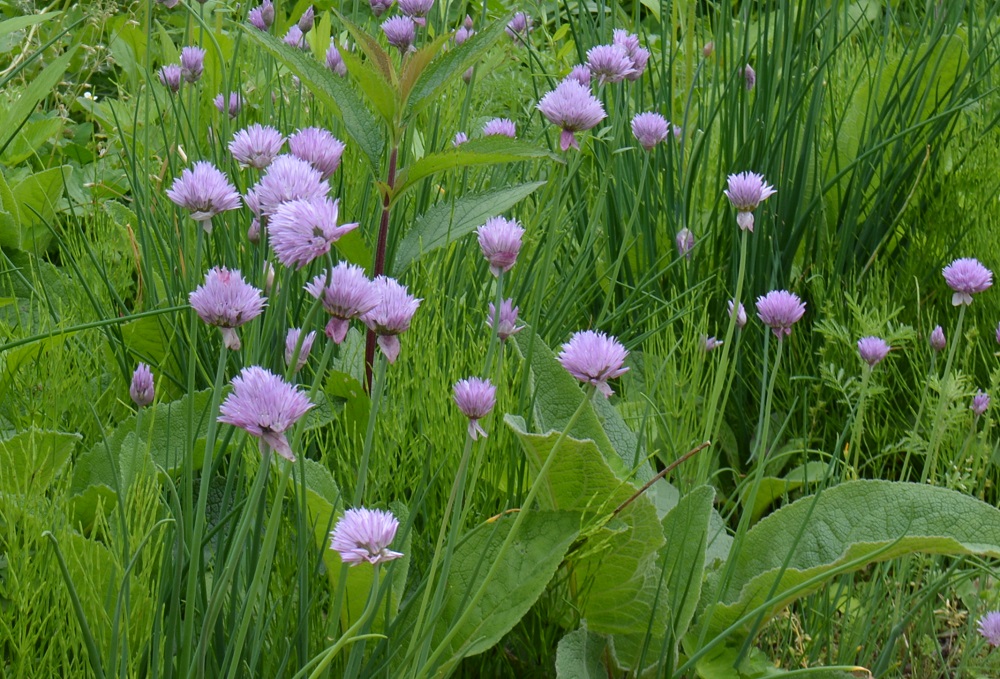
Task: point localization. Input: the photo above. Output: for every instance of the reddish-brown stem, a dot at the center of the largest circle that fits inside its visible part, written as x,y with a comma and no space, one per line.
672,466
379,269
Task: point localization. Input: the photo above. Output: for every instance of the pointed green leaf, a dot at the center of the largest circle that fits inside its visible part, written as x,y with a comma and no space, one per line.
39,87
683,558
372,49
376,89
333,91
845,528
448,221
414,65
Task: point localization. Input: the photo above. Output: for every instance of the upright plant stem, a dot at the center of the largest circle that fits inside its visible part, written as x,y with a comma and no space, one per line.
930,464
379,267
859,423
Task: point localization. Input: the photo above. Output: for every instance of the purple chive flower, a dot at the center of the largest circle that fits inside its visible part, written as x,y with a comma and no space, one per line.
937,340
295,37
650,129
364,535
780,310
346,293
287,178
507,325
391,316
264,405
307,19
519,27
464,31
966,277
303,230
710,343
141,389
380,6
872,350
170,77
475,397
256,146
989,627
235,103
169,4
746,191
572,107
581,74
749,77
192,63
685,243
205,191
608,63
226,301
253,232
319,148
500,241
636,54
400,31
416,10
500,127
741,314
594,358
980,402
291,341
261,19
334,61
460,138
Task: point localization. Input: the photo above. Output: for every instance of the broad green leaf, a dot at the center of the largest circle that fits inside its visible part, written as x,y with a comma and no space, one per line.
39,87
415,63
524,571
685,529
448,67
580,655
616,575
17,23
489,151
335,92
772,488
30,139
30,460
723,665
448,221
373,50
845,528
36,197
354,249
377,90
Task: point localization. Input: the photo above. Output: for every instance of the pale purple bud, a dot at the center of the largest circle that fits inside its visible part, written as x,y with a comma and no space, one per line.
475,397
500,241
741,314
391,316
192,63
264,405
400,32
256,19
256,146
460,138
746,191
710,343
966,277
780,310
519,27
170,77
334,61
295,37
467,76
989,627
581,74
594,358
938,341
572,107
253,233
346,293
364,535
319,148
464,31
292,341
749,77
205,191
226,301
303,230
650,129
708,49
380,6
507,325
873,350
467,24
608,63
685,243
267,12
141,389
980,402
234,105
305,23
500,127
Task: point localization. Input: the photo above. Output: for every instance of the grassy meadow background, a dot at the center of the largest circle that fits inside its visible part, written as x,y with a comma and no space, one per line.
876,122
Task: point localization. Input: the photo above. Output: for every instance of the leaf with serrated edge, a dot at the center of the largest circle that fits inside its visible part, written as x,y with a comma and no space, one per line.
414,65
372,49
378,92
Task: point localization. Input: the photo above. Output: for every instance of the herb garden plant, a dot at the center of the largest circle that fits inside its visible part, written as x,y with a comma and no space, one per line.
426,339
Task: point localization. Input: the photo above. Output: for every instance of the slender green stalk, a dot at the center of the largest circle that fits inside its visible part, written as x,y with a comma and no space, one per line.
930,464
859,425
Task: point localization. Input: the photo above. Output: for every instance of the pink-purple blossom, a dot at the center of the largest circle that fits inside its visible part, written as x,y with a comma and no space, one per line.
872,350
192,63
205,192
264,405
416,10
594,358
460,138
581,74
232,107
295,37
780,310
287,178
980,402
937,338
292,341
364,535
334,61
710,343
639,56
307,19
502,127
519,27
141,389
256,146
391,316
400,32
572,107
226,301
464,31
475,397
650,129
380,6
989,627
608,63
500,241
262,16
741,314
507,324
319,148
966,277
749,77
346,293
746,191
303,230
685,243
170,77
